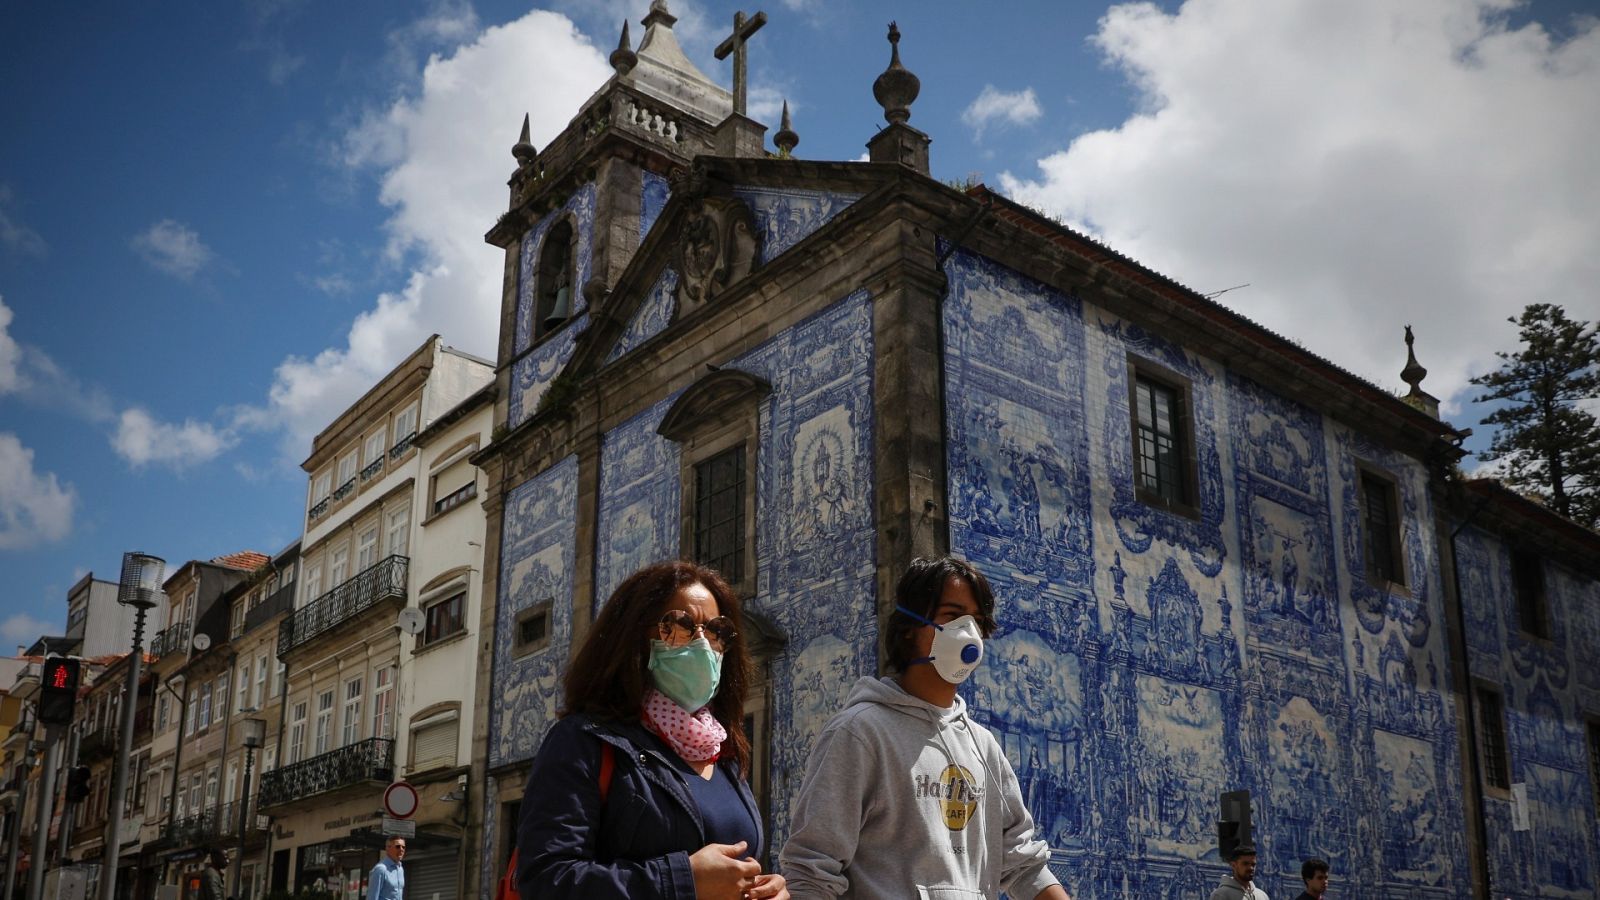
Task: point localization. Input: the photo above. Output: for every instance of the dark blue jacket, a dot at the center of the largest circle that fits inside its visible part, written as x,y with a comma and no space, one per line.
636,844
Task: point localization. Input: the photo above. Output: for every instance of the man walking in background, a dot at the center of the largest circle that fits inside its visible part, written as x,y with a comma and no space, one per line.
388,879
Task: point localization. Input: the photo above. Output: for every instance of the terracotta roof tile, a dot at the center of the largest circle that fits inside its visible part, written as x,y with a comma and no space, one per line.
248,560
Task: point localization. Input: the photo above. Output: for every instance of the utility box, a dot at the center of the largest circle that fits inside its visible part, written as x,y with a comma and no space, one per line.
67,883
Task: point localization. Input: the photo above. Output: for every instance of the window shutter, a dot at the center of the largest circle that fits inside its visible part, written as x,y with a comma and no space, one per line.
434,745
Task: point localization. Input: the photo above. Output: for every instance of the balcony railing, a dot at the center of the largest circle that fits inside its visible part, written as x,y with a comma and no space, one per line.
205,826
372,470
170,640
363,761
459,496
384,580
401,446
97,744
346,489
282,600
318,508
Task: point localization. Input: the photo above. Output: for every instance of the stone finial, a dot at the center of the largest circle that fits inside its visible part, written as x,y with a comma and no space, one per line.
786,139
659,13
1413,373
896,88
623,59
523,148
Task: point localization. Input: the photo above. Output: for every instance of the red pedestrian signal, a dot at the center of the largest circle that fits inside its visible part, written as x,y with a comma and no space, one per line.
58,696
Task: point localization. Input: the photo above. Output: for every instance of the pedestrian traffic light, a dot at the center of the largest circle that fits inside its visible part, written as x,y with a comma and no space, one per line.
58,696
77,784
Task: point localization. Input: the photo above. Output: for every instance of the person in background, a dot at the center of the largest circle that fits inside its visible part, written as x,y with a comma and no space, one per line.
388,878
904,795
1238,883
211,876
1314,872
640,788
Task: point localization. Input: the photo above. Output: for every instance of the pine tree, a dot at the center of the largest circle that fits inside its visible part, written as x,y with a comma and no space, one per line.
1548,441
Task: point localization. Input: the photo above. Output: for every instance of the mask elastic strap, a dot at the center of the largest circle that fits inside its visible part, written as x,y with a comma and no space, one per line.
919,617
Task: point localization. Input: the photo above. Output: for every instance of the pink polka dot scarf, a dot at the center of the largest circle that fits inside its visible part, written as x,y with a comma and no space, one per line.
696,738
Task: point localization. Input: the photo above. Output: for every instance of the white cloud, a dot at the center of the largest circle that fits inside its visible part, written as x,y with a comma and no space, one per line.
1362,167
1006,107
141,440
443,151
173,248
10,353
766,106
22,628
34,507
15,236
30,373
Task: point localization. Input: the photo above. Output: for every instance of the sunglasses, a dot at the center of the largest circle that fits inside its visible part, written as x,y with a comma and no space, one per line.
677,628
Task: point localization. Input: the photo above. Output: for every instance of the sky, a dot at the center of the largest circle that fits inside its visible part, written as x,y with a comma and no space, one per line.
221,222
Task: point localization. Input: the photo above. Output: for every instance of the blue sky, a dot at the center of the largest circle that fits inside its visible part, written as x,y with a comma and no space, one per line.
220,222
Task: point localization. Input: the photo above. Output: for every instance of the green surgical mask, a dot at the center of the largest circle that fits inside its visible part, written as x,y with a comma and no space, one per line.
688,675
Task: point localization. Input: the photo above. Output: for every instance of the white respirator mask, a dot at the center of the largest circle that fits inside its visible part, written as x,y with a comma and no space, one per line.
957,647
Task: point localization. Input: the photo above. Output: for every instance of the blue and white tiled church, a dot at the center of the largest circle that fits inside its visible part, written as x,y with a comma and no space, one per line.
1223,563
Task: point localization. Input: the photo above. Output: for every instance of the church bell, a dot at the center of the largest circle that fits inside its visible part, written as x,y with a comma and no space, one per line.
561,310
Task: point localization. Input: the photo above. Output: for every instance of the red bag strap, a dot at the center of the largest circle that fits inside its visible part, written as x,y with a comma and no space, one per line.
608,762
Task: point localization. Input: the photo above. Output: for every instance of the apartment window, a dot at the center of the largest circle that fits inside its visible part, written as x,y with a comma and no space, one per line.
347,473
297,733
405,427
352,712
1380,518
372,452
339,566
1492,730
456,484
278,672
196,785
531,630
313,584
205,707
191,707
236,626
367,549
399,532
1527,578
324,727
433,741
188,607
384,702
321,487
152,788
232,784
719,485
211,787
244,687
444,618
260,696
162,713
222,696
1164,472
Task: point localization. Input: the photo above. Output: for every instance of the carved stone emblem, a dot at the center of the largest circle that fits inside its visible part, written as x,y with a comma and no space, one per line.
716,248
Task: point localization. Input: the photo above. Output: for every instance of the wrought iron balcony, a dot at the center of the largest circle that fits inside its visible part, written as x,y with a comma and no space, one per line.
97,744
282,600
196,828
170,640
373,470
318,508
384,580
401,446
346,489
371,760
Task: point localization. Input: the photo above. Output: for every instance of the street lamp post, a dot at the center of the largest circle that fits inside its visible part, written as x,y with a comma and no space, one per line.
255,732
139,587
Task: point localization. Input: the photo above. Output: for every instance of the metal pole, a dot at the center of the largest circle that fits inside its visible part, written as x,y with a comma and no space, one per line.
16,835
244,810
69,761
41,822
119,782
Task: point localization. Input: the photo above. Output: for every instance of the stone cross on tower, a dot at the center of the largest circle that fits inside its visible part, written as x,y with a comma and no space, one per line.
742,30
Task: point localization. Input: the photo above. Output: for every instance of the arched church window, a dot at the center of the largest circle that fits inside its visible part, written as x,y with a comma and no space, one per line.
554,280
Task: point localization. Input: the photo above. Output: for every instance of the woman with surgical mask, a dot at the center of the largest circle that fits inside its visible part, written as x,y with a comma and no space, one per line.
640,789
904,795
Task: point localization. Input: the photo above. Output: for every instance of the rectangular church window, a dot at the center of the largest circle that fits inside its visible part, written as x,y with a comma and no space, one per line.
1163,439
1380,522
1492,732
719,513
532,628
1527,578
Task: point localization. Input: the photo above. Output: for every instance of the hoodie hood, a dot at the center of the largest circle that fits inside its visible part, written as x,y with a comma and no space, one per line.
887,692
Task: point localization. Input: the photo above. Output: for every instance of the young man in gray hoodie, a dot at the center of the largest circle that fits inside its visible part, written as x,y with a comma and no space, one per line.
1240,880
904,795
